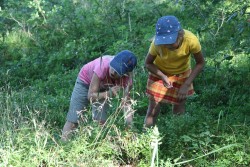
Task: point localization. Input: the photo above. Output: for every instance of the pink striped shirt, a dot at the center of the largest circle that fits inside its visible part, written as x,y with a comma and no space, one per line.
100,67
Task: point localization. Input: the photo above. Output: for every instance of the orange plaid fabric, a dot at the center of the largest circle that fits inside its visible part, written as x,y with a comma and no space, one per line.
158,92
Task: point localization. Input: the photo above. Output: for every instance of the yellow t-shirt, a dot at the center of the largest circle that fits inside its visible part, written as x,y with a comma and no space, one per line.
176,61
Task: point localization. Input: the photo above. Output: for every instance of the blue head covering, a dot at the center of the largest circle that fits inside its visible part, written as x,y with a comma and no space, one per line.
167,28
125,61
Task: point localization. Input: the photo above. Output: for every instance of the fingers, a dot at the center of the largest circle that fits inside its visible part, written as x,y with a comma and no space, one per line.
166,82
182,96
168,85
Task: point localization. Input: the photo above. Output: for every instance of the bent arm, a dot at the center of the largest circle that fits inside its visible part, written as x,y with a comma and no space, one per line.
94,88
200,62
149,64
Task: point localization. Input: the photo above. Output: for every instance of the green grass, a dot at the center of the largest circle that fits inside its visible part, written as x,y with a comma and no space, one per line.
204,136
40,61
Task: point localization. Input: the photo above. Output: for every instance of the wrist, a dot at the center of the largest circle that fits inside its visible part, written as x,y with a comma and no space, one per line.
163,77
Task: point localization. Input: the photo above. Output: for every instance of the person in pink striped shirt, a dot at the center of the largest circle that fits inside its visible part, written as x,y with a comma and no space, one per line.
97,82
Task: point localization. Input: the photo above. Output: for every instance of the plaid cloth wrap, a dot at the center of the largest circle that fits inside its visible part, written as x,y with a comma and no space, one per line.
158,92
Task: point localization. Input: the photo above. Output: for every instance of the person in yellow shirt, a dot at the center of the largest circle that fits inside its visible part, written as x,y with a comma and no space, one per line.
168,62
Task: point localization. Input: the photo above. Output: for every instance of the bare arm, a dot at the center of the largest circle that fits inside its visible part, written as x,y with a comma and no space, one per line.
149,64
200,62
94,88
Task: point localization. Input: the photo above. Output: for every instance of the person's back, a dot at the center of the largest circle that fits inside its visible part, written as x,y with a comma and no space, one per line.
99,66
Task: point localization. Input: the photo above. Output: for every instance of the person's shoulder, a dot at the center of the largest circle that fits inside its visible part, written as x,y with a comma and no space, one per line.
192,41
102,60
189,34
190,37
106,58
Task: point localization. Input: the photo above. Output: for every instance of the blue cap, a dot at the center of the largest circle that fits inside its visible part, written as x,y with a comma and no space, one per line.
167,28
125,61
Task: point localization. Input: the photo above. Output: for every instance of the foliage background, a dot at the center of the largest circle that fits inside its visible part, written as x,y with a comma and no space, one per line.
44,43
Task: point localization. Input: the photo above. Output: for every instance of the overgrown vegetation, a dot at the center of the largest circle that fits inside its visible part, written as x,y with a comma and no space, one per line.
44,43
